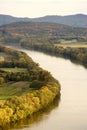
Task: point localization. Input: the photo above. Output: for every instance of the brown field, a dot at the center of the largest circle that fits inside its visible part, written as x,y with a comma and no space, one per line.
72,45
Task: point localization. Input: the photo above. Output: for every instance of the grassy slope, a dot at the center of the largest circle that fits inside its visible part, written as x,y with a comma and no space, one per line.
14,69
14,89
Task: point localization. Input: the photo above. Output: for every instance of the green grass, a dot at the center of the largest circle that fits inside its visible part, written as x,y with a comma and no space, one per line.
14,89
14,69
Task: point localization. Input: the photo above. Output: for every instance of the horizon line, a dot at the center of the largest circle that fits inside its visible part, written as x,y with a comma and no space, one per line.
43,15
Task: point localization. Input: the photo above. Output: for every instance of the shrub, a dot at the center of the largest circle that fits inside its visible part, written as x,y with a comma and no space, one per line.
2,80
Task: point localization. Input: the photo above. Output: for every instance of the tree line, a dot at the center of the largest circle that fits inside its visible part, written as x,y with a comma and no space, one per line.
78,55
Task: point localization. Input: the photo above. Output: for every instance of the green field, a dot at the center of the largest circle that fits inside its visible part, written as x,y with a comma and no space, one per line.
14,89
14,69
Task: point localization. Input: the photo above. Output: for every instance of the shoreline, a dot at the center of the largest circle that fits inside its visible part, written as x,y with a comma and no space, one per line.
16,108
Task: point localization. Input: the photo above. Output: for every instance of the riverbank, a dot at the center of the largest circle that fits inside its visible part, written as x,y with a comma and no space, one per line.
76,55
45,88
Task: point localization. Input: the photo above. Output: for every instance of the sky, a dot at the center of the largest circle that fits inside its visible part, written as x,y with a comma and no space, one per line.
39,8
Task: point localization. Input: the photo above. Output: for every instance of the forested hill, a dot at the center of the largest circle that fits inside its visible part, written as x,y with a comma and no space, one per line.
7,19
46,36
37,32
42,28
78,20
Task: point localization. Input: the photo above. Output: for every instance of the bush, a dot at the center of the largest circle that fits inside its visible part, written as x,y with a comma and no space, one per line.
2,80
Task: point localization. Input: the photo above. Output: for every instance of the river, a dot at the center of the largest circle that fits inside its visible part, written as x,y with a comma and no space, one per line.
71,113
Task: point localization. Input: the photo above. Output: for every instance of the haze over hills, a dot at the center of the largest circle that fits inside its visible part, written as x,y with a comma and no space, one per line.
78,20
7,19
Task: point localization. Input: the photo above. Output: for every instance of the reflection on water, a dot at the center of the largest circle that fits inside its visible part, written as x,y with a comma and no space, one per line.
35,118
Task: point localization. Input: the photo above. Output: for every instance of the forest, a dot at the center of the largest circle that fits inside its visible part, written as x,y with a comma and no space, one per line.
34,87
36,32
76,55
49,38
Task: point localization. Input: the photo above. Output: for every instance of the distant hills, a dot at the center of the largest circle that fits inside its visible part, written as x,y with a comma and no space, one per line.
7,19
41,32
78,20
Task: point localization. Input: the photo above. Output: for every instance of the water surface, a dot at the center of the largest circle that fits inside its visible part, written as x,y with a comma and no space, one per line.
71,114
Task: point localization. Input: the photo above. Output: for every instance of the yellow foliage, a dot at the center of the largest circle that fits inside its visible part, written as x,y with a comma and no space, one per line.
5,114
44,88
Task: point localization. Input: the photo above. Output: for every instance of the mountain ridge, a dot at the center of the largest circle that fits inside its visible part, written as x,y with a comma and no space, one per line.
77,20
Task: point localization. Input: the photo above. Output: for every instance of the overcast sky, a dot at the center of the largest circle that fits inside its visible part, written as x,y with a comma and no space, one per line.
38,8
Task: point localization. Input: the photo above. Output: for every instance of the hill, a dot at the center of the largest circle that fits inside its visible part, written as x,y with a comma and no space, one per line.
7,19
47,37
39,32
78,20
